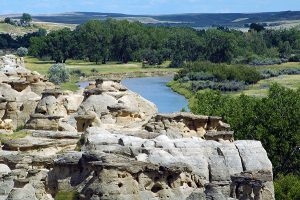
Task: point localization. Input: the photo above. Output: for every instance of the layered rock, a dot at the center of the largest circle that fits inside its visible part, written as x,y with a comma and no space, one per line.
117,166
55,111
20,91
109,104
178,125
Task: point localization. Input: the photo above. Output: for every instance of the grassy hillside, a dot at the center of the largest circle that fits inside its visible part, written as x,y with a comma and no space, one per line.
17,30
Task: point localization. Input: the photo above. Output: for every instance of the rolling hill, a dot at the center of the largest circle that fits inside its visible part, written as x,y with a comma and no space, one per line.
192,20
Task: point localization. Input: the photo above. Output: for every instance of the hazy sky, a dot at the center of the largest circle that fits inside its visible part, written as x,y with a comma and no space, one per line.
146,6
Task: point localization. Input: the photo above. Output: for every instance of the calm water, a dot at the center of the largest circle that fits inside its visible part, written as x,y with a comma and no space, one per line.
155,90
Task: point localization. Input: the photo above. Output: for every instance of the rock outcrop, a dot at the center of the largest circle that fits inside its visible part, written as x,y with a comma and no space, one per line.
109,104
20,91
109,143
127,167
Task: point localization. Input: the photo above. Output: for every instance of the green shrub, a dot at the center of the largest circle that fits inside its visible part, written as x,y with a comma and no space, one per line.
58,74
218,72
22,51
71,195
287,187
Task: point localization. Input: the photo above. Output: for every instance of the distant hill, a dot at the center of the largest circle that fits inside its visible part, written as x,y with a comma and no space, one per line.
192,20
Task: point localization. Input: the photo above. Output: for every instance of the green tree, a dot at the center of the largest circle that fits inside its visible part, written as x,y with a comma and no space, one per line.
285,49
26,18
220,46
59,45
257,27
7,20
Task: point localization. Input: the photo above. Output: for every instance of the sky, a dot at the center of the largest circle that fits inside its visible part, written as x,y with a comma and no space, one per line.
150,7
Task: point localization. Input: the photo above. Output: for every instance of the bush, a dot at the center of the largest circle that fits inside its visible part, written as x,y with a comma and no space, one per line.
22,51
7,20
295,58
58,74
224,86
219,72
94,70
70,195
268,73
265,61
287,187
77,72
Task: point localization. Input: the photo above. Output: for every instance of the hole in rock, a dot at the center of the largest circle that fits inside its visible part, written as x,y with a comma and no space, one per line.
120,185
162,169
156,188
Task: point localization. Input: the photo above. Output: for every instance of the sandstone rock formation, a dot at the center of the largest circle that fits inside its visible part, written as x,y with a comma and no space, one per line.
117,166
20,91
109,104
109,143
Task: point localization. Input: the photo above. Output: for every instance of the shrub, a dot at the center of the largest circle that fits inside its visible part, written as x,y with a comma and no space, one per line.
93,70
225,86
7,20
287,187
22,51
265,61
70,195
58,74
295,58
268,73
219,72
77,72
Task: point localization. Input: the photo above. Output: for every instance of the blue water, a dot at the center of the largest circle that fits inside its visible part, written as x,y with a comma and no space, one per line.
155,90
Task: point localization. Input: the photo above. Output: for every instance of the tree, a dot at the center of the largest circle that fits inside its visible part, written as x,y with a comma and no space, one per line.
22,51
285,49
220,46
257,27
26,18
58,74
58,45
7,20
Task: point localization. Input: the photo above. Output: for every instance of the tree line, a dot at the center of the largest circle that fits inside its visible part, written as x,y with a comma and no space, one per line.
123,41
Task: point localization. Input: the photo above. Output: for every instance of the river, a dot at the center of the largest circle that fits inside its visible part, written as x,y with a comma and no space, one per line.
155,90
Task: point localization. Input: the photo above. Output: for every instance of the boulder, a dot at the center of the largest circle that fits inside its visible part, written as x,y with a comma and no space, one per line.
6,181
25,193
